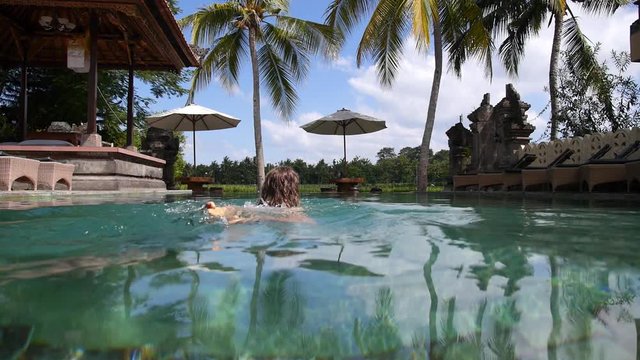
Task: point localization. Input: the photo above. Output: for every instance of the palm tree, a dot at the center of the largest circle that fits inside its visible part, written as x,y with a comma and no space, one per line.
279,49
520,20
387,29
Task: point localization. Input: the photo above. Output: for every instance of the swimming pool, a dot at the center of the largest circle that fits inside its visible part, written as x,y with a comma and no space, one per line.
389,276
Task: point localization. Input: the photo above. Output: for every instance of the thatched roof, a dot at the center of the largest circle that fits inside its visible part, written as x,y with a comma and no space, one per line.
148,25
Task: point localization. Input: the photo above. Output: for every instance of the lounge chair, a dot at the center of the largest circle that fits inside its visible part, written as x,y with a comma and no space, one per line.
509,177
567,174
539,176
464,180
51,172
13,168
632,169
600,172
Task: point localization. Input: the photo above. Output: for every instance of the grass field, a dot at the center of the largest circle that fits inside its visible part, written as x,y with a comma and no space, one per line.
316,188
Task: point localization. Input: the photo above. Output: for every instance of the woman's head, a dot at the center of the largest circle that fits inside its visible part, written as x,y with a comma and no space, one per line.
280,187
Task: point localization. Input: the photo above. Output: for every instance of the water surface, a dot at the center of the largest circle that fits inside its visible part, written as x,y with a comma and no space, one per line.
389,276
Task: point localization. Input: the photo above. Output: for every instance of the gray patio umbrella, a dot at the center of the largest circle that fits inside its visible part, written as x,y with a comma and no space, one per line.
192,118
345,122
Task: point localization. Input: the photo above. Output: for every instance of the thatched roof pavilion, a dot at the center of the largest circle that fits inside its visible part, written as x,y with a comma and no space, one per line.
85,36
117,34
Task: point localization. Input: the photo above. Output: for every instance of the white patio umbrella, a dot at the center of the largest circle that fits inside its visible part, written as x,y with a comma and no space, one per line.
345,122
192,118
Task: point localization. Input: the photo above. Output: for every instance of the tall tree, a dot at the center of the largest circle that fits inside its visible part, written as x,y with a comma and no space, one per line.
389,26
613,104
520,20
279,49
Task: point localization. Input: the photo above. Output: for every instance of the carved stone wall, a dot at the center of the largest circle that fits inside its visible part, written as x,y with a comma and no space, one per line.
498,132
460,145
163,145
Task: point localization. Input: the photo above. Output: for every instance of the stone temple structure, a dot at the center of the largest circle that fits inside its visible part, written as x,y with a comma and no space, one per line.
496,133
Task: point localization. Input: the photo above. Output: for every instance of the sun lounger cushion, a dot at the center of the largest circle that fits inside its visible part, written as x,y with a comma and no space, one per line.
44,142
524,161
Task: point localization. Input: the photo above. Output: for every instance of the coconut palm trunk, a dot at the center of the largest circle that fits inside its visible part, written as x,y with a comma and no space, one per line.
554,307
257,120
433,299
553,73
431,112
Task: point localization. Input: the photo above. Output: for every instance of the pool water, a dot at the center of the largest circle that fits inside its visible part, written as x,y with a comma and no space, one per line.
389,276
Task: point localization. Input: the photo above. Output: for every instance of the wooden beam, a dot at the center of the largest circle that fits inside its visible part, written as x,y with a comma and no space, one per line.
75,34
92,93
18,42
130,126
11,22
24,94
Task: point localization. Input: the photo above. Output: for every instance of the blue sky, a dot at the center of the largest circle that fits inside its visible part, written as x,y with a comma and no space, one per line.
340,84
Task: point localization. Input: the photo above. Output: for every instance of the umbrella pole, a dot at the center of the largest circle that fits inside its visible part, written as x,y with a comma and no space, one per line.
344,145
194,148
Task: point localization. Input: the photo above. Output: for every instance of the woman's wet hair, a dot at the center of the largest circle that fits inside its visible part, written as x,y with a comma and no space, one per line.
280,188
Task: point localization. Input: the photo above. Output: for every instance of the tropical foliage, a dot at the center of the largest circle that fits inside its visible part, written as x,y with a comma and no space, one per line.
605,102
70,103
279,48
392,21
518,21
391,168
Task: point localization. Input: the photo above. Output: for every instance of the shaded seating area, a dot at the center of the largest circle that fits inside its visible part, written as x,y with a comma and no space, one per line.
606,171
496,153
509,177
568,174
540,176
97,34
613,164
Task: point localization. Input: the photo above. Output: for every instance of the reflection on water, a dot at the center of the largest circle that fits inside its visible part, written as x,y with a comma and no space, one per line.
390,276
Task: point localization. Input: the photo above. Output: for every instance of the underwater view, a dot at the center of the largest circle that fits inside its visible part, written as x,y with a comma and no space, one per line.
391,276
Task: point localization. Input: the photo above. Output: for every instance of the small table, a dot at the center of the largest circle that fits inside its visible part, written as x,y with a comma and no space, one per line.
347,184
196,183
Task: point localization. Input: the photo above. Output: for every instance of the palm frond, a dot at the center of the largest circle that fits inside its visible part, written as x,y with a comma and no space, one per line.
315,38
210,22
603,6
287,45
383,38
498,14
557,6
279,6
519,31
344,15
423,13
466,34
278,80
223,60
578,47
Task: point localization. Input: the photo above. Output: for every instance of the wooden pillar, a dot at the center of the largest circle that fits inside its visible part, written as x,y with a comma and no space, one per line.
130,126
92,93
22,134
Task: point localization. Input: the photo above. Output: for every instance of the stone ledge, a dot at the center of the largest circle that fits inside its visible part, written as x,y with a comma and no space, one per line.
116,167
115,183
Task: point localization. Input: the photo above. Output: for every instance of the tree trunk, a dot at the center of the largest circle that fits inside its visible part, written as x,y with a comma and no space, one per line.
553,73
257,122
433,300
431,112
554,307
